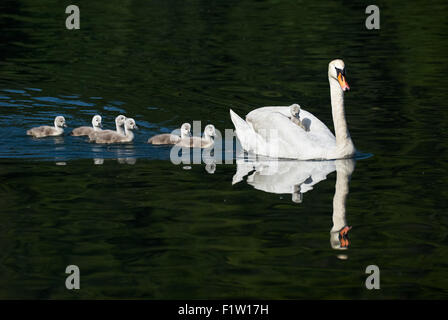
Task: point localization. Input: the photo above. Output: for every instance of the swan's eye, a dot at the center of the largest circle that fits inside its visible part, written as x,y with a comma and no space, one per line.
340,71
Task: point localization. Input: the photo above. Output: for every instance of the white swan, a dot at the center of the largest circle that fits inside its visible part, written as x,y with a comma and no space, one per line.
85,131
115,137
206,141
47,131
299,177
268,131
168,138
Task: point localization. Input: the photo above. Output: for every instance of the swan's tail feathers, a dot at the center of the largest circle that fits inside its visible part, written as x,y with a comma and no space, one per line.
243,131
238,122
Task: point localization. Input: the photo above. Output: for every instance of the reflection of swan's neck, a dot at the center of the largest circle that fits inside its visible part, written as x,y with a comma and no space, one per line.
344,170
340,199
337,105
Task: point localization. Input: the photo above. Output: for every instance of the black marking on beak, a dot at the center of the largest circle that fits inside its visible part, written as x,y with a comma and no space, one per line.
340,71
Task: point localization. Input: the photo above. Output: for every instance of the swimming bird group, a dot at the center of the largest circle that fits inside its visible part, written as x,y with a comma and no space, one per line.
298,133
123,133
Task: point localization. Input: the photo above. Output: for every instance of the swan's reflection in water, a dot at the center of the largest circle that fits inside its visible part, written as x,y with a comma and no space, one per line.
130,161
124,154
297,178
210,167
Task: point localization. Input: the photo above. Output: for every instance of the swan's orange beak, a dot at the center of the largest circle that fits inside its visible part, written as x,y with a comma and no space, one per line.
343,83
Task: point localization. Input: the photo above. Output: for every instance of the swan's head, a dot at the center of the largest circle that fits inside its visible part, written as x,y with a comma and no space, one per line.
210,130
336,71
295,110
130,124
96,121
339,239
185,130
120,120
59,121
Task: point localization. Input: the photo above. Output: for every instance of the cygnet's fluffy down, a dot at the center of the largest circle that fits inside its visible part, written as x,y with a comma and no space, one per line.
114,137
168,138
85,131
197,142
119,123
47,131
295,116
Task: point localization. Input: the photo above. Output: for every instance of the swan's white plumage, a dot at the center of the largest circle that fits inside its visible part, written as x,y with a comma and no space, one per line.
270,132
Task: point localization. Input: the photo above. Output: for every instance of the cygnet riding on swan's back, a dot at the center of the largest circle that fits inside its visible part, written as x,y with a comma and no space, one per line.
114,137
295,116
168,138
197,142
119,123
85,131
268,131
47,131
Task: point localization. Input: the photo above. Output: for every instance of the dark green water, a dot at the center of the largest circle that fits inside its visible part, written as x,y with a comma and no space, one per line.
139,226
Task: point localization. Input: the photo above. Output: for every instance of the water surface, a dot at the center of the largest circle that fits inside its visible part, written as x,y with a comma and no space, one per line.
139,226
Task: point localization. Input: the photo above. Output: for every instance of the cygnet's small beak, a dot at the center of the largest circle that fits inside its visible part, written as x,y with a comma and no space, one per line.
64,125
135,127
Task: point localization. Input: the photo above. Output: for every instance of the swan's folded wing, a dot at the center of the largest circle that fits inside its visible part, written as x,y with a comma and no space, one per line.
249,139
287,140
312,122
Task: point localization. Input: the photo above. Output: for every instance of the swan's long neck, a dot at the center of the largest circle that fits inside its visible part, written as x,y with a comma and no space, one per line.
58,128
184,134
119,128
337,105
128,133
207,137
96,127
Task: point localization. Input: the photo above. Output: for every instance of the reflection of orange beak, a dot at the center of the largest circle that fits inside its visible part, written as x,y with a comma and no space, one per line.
344,85
343,237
